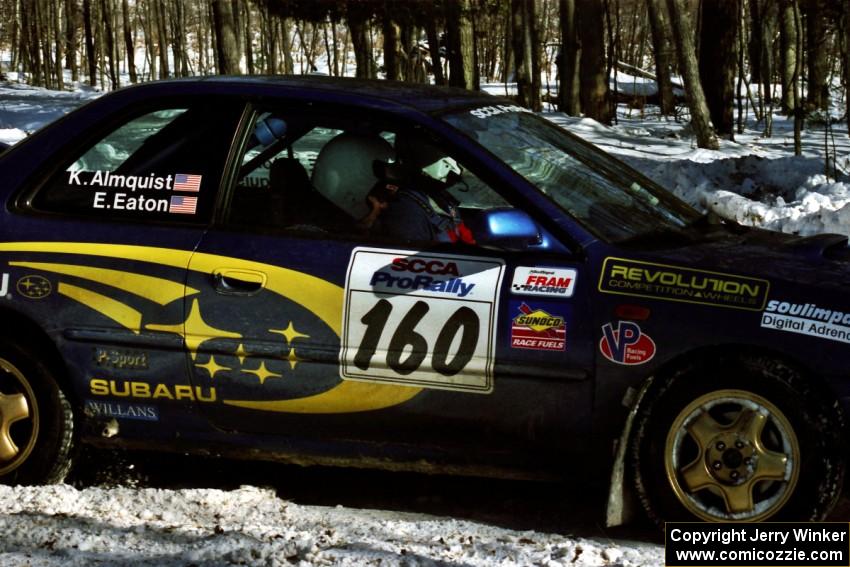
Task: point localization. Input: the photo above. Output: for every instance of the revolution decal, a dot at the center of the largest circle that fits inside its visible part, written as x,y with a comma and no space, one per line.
673,283
536,329
807,319
4,285
34,287
626,344
551,282
320,298
121,200
118,410
423,319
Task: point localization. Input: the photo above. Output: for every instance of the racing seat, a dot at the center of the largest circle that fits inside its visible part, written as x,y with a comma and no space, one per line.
298,203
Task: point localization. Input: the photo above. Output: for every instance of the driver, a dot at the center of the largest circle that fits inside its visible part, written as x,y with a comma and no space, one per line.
422,209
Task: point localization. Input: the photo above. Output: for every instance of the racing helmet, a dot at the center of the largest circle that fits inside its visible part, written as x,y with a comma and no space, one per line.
420,156
344,172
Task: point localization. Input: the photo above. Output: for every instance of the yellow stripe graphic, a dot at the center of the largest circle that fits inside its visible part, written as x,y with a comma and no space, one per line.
159,290
320,297
115,310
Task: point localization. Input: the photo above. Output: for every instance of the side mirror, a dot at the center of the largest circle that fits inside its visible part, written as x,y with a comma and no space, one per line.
504,228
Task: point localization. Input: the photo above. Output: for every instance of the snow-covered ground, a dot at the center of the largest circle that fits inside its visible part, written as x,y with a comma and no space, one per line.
754,180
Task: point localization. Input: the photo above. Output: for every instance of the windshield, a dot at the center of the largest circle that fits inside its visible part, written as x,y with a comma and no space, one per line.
606,196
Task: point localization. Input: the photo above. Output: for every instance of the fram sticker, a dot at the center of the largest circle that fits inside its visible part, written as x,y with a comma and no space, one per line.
536,329
626,344
550,282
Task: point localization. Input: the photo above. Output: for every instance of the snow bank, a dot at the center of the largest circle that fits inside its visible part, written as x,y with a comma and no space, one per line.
60,525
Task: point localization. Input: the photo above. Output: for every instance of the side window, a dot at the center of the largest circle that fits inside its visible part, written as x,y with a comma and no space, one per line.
353,178
162,165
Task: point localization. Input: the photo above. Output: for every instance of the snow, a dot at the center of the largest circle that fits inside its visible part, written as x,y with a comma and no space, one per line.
61,525
754,180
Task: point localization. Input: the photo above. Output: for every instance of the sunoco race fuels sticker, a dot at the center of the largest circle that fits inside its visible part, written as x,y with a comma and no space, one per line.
420,319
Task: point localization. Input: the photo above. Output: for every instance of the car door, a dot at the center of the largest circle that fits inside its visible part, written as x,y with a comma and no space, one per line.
321,332
103,254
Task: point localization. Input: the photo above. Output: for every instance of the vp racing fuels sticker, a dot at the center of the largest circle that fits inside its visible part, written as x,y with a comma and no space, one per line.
626,344
551,282
420,319
673,283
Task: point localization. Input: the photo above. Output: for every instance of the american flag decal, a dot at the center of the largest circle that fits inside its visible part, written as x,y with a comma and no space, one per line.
184,182
184,205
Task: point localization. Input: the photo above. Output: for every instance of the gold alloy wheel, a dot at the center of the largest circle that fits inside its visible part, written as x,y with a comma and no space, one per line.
17,404
731,455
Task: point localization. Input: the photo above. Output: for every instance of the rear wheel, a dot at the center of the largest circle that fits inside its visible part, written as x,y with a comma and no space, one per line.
36,420
740,438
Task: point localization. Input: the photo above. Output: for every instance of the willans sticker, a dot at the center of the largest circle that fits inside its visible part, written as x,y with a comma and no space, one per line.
626,344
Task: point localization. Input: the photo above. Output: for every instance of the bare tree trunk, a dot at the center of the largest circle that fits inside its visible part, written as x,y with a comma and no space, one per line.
90,57
798,71
461,46
523,48
717,61
285,44
683,33
788,53
162,38
249,45
593,78
569,90
358,17
392,63
662,47
71,39
228,50
434,46
58,40
128,41
847,60
817,95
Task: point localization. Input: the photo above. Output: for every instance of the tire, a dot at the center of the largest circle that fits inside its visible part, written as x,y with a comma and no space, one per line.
738,438
36,420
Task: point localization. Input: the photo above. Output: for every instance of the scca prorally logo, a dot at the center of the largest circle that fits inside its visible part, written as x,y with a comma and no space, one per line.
626,344
34,287
435,275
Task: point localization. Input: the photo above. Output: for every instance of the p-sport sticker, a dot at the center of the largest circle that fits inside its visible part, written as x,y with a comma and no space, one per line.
626,344
674,283
551,282
807,319
420,319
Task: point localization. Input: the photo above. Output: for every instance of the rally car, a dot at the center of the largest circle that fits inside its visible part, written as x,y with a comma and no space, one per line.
204,265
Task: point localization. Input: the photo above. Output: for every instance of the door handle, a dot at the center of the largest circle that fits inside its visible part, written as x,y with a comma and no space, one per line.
230,281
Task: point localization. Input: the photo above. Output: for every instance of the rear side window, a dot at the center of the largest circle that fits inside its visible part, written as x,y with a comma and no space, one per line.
163,165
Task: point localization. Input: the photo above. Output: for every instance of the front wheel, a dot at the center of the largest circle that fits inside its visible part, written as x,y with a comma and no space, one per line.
738,439
36,420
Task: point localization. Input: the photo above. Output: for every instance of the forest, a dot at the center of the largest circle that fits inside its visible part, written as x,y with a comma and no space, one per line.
788,56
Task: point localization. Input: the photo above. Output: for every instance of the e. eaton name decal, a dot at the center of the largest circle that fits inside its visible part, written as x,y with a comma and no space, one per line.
552,282
538,330
420,319
626,344
807,319
124,199
674,283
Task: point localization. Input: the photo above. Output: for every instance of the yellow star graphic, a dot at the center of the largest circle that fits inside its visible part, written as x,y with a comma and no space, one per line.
289,333
194,330
241,353
293,359
212,367
262,373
